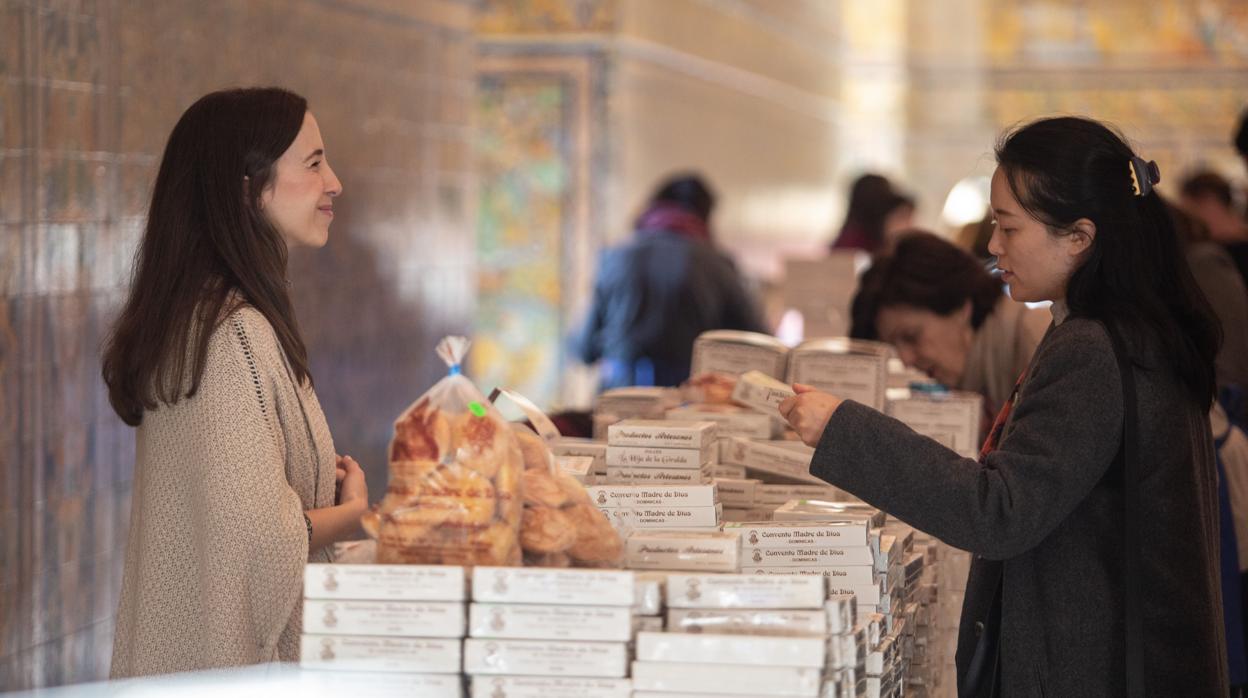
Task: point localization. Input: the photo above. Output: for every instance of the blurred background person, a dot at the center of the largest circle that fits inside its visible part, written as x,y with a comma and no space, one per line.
1226,292
656,293
876,214
1207,196
974,237
948,317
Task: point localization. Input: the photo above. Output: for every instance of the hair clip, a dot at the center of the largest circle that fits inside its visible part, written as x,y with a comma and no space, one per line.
1144,175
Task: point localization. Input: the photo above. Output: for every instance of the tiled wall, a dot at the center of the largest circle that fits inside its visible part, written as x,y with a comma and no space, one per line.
88,94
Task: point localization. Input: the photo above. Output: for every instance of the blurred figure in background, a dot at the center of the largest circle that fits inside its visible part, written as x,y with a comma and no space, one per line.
1225,290
1207,196
876,214
974,237
948,317
656,293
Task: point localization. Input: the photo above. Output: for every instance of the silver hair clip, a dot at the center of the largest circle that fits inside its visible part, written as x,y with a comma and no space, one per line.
1144,175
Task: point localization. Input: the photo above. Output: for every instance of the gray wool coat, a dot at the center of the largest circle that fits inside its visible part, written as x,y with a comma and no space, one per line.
1044,516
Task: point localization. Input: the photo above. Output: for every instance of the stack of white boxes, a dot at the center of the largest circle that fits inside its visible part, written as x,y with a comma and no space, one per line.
847,650
755,500
689,659
549,633
407,620
644,507
658,452
838,550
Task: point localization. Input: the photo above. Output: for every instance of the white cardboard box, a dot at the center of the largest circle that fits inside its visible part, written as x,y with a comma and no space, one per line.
550,622
657,433
820,556
731,421
666,517
581,468
736,493
631,496
735,352
840,576
553,586
545,658
712,551
761,392
865,595
751,650
849,369
649,586
393,618
726,679
951,418
365,653
748,622
815,510
775,495
793,534
653,457
744,591
652,477
790,459
569,446
548,687
754,515
384,582
728,470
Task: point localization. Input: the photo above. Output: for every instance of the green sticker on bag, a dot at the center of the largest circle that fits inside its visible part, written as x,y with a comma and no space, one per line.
476,408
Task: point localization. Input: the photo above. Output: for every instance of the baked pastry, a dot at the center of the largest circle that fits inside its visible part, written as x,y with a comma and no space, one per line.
546,530
466,495
423,434
481,443
533,447
542,489
507,489
596,540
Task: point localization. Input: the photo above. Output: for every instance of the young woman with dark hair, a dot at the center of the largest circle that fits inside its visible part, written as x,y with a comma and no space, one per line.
1092,511
876,212
236,482
948,317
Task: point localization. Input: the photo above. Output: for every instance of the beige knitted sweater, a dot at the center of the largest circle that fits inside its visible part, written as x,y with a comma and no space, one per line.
217,544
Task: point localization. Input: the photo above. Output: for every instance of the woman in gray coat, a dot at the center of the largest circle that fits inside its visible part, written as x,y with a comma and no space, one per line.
1069,594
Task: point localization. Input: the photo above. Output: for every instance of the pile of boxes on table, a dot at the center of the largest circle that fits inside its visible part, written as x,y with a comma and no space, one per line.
530,632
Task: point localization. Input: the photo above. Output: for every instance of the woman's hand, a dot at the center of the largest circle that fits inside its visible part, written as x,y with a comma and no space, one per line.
352,490
808,412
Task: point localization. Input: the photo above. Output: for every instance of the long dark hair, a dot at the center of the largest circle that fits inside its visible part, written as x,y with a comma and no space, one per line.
871,199
926,272
1134,275
205,238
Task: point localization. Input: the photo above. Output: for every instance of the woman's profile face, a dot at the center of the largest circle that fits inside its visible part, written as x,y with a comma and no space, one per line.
299,201
933,343
1037,264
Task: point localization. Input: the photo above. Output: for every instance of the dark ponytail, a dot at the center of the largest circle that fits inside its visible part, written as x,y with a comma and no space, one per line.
1134,276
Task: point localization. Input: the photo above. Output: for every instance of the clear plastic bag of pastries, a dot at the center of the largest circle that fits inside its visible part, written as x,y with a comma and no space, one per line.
561,527
454,494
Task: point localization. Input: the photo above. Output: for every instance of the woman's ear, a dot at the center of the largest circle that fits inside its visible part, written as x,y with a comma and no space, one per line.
1082,234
